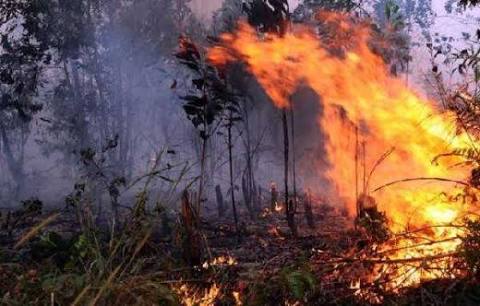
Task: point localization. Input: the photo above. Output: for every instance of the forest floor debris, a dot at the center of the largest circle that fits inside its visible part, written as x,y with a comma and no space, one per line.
333,264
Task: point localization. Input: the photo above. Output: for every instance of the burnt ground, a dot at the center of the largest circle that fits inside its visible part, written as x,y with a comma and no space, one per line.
63,262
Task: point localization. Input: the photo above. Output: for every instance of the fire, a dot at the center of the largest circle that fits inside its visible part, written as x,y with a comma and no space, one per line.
363,104
220,261
441,214
274,232
191,297
278,207
238,300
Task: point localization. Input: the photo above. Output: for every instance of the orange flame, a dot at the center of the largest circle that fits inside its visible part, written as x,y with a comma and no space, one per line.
191,297
220,261
358,95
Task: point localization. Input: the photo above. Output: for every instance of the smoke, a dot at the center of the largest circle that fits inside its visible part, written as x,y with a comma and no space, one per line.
141,90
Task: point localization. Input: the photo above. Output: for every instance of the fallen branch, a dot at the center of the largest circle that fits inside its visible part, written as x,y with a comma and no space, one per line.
396,261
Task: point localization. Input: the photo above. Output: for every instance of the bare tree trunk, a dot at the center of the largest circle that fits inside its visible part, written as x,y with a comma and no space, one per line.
247,195
289,211
220,203
15,165
292,121
230,162
407,77
285,154
255,202
259,197
308,210
202,175
250,183
273,197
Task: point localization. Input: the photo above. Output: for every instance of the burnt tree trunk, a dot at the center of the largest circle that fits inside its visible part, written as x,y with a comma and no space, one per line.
273,197
191,240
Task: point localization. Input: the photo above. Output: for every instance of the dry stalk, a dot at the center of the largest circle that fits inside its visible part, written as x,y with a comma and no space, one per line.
35,230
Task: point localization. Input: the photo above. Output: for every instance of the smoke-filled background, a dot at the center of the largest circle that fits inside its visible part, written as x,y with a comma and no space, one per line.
96,95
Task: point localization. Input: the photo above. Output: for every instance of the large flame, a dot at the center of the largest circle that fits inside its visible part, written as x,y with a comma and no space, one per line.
365,110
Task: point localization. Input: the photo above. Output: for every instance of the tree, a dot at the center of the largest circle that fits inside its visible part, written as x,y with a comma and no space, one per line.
466,3
105,83
274,17
93,63
25,46
226,18
233,116
206,109
306,9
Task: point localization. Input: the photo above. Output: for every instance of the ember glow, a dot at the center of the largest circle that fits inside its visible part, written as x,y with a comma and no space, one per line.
191,297
368,111
220,261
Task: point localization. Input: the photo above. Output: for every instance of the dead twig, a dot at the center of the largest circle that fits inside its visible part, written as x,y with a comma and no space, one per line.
423,179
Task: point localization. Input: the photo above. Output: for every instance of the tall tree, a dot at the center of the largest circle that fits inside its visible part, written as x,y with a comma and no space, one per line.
273,16
25,51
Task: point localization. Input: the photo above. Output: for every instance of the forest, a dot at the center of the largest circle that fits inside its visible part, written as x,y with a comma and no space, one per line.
311,152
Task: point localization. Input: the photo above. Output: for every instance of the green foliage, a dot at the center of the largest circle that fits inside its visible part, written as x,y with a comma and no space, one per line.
465,60
468,59
294,283
63,267
393,15
299,283
46,27
68,284
65,254
412,12
212,98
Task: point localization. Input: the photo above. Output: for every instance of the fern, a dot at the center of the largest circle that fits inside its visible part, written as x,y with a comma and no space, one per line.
299,283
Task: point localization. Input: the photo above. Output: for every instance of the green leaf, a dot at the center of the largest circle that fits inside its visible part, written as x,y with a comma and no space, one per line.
300,283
